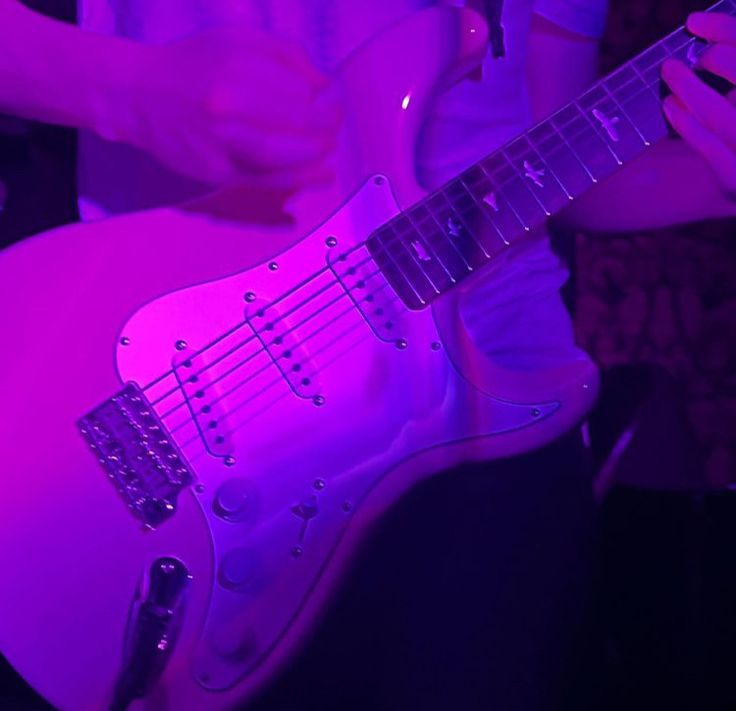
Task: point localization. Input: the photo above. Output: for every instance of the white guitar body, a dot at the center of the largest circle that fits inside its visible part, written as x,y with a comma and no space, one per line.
326,408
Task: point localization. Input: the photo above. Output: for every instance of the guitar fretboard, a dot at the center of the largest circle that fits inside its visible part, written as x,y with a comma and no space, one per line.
472,219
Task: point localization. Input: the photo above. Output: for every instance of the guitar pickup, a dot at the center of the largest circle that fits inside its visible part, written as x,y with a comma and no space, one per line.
284,342
370,292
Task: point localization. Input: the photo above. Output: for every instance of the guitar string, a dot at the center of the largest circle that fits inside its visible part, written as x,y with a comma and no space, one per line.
274,342
272,322
262,351
287,392
246,322
398,239
197,437
281,317
278,338
279,380
250,397
324,327
277,341
234,329
454,180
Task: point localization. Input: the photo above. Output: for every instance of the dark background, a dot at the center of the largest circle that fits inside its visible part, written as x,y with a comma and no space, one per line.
657,310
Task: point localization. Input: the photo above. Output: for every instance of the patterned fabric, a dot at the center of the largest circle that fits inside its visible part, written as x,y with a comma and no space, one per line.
667,296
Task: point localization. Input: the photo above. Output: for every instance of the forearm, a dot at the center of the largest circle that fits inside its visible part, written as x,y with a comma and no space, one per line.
669,184
54,72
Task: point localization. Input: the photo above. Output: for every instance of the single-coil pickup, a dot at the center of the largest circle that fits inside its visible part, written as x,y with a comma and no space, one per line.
369,291
203,394
284,337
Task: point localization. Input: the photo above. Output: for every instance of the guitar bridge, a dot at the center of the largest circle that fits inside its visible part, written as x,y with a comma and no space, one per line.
138,455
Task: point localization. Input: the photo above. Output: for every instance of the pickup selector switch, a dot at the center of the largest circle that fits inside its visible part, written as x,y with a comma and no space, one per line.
307,508
235,500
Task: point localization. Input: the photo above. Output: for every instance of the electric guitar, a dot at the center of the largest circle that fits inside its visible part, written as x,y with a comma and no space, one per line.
202,416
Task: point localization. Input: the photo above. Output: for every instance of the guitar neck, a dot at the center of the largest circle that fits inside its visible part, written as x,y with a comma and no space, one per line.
473,218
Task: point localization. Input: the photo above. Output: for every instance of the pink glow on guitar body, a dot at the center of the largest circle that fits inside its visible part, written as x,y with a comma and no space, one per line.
300,460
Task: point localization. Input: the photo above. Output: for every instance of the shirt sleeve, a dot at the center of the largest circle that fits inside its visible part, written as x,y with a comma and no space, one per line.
586,17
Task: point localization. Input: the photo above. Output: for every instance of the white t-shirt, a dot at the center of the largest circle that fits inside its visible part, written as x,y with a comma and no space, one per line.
515,313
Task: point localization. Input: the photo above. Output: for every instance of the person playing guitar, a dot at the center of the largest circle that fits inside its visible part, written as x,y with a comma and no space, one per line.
215,136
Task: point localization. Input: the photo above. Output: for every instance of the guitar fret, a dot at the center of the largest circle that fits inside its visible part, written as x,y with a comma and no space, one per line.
513,187
562,158
502,194
641,108
472,250
424,238
423,218
623,111
469,256
423,249
457,226
483,210
496,208
648,83
592,150
543,181
675,40
411,267
484,226
621,78
388,262
443,238
433,270
691,51
611,125
584,113
593,179
645,110
518,178
652,57
653,78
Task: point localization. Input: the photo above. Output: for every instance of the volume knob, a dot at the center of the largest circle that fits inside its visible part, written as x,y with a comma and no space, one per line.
235,500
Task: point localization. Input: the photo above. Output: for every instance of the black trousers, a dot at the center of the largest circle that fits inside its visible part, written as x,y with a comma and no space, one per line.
474,592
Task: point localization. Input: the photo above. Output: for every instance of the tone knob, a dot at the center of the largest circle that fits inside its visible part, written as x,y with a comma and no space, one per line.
233,644
235,500
238,569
